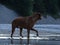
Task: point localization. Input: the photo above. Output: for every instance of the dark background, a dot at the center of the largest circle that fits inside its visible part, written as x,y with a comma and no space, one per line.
11,9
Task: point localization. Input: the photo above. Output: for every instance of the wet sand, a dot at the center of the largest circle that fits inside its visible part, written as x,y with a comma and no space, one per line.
27,42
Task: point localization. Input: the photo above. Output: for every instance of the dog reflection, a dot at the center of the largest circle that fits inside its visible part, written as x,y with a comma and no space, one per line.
21,41
11,41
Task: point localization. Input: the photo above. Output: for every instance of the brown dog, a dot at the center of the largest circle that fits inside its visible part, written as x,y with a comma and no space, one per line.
25,22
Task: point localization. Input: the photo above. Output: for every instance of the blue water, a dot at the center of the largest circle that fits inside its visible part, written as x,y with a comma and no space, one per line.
31,42
48,27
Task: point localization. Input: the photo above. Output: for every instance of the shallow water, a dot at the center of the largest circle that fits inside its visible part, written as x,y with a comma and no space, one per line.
49,33
30,42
